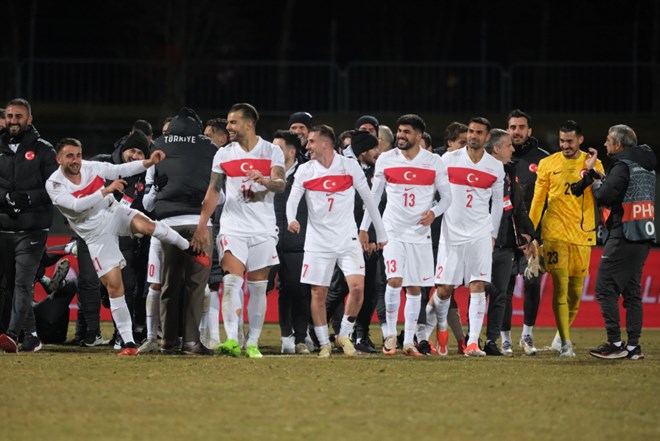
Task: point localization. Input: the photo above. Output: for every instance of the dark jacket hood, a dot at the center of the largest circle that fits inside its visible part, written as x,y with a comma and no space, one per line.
641,154
528,145
186,123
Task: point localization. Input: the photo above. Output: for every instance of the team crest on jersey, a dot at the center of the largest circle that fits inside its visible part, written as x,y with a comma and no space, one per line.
29,155
140,187
533,167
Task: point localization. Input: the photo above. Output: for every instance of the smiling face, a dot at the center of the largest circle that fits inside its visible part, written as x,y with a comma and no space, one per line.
519,130
238,126
407,137
70,159
569,143
17,119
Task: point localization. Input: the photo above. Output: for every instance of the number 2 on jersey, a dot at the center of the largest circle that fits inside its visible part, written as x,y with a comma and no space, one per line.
470,197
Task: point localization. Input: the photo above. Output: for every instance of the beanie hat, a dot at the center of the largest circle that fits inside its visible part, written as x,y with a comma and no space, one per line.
188,113
301,117
367,119
137,140
361,141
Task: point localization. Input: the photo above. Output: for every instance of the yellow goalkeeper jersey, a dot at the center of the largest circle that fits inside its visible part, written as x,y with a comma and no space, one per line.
567,218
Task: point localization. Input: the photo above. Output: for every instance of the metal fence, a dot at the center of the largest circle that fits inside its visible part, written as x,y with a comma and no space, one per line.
632,88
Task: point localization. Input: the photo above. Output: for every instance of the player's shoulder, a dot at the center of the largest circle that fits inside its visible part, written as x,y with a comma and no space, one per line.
554,160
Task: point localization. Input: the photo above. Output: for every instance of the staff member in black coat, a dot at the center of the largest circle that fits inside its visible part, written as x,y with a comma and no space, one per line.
26,214
628,191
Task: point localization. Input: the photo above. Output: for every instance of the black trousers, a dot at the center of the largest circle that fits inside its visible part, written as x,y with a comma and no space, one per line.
620,273
498,292
19,260
89,292
294,297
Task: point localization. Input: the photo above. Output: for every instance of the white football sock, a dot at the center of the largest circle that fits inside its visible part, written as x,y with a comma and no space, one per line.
256,310
152,307
476,313
214,317
441,310
166,234
411,316
392,302
231,302
527,330
322,335
122,318
431,321
346,327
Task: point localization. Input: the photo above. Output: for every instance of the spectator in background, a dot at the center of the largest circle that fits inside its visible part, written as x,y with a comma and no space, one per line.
216,129
385,138
2,118
455,138
26,214
299,124
426,142
294,296
166,124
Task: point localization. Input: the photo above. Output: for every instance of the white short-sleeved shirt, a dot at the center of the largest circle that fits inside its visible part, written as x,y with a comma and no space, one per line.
410,186
472,187
83,205
330,196
240,217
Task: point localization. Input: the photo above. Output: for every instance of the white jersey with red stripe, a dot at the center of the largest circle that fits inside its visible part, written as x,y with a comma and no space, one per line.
410,186
473,187
330,196
241,216
83,205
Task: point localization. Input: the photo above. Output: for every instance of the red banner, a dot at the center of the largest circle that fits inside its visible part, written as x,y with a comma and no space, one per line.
588,316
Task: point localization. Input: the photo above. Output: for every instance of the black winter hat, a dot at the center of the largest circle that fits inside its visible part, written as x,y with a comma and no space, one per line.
301,117
137,140
187,112
361,141
367,119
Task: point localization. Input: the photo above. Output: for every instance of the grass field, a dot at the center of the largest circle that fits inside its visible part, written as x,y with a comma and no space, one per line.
66,393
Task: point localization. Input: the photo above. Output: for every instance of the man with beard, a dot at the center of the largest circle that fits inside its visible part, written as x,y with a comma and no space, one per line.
411,176
526,158
569,226
26,213
254,170
469,229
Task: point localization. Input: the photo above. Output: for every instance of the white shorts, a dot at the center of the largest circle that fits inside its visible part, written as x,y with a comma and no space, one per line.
155,260
411,261
254,252
104,247
318,266
465,263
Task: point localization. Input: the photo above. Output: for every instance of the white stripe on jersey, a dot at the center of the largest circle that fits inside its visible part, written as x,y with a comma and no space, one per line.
240,217
472,187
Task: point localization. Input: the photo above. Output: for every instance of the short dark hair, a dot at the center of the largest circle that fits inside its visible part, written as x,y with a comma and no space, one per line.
517,113
495,137
67,141
481,120
218,125
248,110
327,131
571,126
143,126
413,120
453,130
289,138
426,136
21,102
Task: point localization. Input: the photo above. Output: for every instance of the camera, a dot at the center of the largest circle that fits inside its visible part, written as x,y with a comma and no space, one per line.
577,188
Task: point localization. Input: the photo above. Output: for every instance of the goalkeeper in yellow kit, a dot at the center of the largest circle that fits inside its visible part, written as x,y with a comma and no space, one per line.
569,225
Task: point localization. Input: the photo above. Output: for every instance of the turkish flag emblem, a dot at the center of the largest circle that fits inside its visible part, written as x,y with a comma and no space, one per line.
29,155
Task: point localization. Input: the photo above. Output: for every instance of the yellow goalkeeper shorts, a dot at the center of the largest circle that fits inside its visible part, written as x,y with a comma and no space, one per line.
563,255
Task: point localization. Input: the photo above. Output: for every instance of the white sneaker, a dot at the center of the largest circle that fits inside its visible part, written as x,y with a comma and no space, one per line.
527,344
507,348
301,349
309,342
149,345
556,343
288,345
567,350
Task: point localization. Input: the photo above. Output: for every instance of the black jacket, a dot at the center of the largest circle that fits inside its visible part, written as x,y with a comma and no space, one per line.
290,242
526,158
515,218
27,171
134,188
187,164
611,192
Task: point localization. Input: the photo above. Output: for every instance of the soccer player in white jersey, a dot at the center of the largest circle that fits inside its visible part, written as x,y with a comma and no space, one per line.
411,175
328,182
468,232
254,171
77,188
